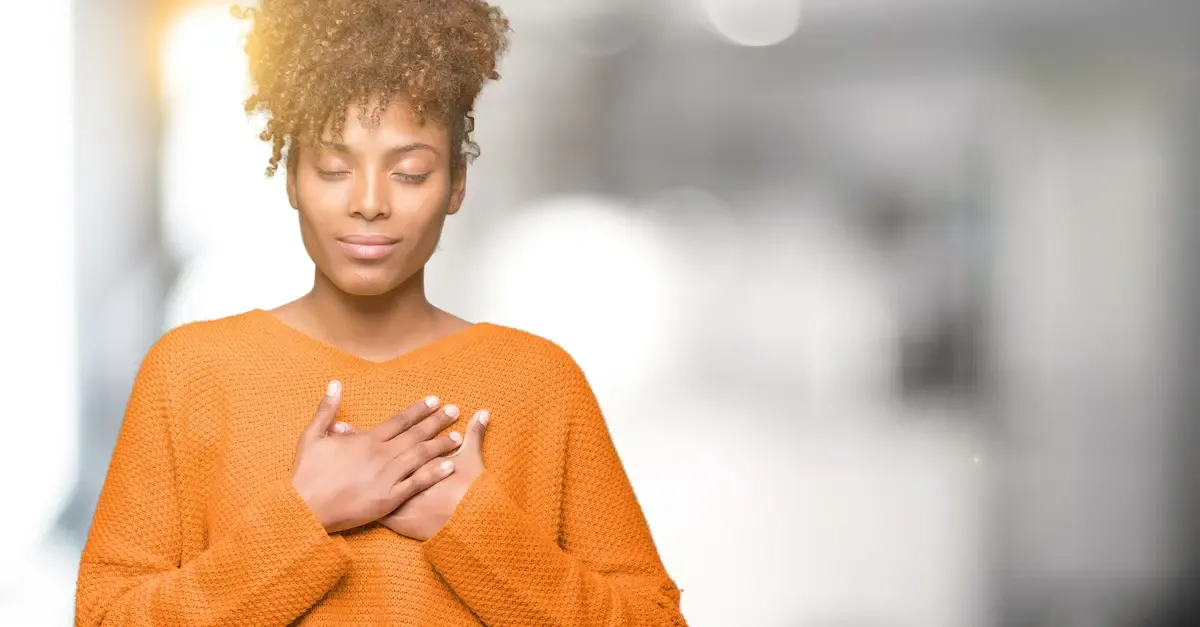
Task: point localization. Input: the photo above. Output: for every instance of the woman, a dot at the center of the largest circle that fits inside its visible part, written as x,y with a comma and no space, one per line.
325,463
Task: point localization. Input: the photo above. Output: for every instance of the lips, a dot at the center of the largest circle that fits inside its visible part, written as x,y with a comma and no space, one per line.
367,247
368,240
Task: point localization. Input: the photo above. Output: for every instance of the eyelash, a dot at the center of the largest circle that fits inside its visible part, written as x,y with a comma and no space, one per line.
408,178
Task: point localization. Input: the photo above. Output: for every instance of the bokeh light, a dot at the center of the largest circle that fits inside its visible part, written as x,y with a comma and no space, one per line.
753,22
243,228
590,274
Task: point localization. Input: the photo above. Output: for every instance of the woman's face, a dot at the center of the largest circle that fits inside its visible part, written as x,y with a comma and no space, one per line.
372,205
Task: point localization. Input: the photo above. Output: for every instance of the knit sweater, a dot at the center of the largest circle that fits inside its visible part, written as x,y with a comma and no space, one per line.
198,522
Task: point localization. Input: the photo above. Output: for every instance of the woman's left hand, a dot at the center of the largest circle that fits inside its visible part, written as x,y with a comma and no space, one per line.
424,514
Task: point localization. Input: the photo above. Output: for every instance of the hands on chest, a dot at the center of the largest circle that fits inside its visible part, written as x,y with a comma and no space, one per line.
399,472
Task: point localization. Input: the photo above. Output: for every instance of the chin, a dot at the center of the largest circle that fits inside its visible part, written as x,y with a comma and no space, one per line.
360,282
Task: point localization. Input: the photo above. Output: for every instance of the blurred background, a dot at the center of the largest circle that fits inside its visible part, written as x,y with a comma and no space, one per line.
888,302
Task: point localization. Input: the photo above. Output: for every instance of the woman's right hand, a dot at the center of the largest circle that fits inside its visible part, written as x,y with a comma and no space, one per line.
351,480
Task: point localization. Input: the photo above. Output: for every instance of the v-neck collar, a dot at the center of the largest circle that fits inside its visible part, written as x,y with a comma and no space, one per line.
430,350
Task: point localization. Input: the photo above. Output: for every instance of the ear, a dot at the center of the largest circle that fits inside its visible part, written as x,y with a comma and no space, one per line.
458,190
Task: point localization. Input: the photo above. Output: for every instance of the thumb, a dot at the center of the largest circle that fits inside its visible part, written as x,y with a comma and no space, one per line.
325,411
473,442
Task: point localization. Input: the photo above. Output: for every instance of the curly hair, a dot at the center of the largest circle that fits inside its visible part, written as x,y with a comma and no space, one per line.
310,60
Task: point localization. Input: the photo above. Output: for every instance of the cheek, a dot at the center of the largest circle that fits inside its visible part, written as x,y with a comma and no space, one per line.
320,202
428,211
316,227
417,212
425,225
323,214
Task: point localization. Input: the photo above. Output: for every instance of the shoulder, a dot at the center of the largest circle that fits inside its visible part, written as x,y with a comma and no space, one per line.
539,353
192,346
536,359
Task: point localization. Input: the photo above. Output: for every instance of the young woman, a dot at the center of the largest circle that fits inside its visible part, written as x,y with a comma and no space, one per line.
325,463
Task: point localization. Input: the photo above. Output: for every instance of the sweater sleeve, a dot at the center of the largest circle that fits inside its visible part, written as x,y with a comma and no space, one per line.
602,569
275,562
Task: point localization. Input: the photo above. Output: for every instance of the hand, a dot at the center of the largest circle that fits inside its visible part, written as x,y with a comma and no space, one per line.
424,514
351,480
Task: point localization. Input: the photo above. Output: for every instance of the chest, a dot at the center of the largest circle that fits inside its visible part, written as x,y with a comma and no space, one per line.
241,437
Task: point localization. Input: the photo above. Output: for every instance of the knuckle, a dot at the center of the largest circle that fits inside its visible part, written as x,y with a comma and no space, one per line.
408,415
409,460
407,418
403,442
379,454
429,427
430,448
396,420
430,474
424,429
406,488
404,462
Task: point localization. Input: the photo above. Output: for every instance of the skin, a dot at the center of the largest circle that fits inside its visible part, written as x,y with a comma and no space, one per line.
374,183
392,179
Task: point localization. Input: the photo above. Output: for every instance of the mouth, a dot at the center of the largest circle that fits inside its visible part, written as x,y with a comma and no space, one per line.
367,247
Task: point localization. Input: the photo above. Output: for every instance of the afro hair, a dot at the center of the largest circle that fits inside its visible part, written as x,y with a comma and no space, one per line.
311,60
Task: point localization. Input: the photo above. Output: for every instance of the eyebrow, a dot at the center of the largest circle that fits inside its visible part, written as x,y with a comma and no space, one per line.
395,150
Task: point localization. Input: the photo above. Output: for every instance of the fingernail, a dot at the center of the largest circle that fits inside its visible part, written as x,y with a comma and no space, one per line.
456,437
340,427
482,417
447,466
335,386
431,401
451,411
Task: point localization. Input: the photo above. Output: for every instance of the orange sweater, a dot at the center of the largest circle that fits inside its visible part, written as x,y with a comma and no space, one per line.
198,523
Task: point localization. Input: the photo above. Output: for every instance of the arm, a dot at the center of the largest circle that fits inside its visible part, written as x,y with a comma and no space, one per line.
276,562
602,570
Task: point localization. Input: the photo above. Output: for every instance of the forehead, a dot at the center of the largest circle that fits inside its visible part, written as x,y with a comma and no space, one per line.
368,127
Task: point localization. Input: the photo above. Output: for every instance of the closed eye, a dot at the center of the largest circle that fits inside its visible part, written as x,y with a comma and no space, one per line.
332,174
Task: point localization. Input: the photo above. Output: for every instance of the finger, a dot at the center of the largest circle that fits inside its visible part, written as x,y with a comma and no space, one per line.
473,443
400,422
432,472
418,455
325,411
341,428
426,429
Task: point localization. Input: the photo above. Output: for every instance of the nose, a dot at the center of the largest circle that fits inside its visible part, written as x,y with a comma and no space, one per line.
371,196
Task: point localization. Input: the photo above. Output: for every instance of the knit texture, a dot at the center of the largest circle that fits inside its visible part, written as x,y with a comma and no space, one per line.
198,522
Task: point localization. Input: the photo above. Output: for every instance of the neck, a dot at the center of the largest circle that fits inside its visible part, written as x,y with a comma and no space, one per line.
371,326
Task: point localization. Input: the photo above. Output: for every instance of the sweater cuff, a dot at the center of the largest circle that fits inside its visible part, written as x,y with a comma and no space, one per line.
285,520
484,519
